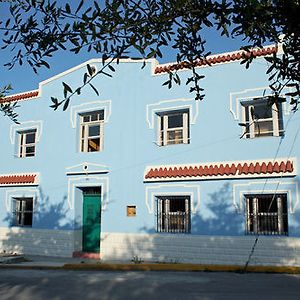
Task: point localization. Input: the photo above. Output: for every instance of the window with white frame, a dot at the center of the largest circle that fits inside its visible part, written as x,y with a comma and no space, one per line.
266,214
173,214
173,127
262,118
22,211
27,143
91,131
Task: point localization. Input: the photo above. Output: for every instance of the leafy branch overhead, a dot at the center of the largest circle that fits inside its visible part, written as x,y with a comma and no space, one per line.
7,108
37,29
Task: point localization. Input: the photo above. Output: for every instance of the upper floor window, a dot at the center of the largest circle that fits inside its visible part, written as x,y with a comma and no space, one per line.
27,141
91,131
262,118
22,211
173,127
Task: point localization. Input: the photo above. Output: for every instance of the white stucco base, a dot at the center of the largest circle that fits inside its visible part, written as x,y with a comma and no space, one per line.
37,241
200,249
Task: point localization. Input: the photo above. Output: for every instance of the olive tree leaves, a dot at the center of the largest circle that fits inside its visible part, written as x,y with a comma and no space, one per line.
146,29
8,108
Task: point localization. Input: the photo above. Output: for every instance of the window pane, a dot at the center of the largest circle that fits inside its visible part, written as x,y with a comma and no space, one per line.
94,130
30,151
175,121
28,219
263,128
262,111
86,118
175,136
93,145
28,205
95,117
30,138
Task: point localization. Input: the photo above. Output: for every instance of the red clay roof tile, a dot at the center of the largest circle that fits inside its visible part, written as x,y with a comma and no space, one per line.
244,168
218,59
18,97
17,179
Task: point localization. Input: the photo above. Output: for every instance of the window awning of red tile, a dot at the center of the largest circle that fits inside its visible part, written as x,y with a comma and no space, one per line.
18,179
19,97
239,169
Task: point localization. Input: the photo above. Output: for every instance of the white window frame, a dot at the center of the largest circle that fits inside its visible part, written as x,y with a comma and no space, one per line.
84,130
22,145
18,210
249,131
163,129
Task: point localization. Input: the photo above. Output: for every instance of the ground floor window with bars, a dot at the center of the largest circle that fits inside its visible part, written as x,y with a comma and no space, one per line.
266,214
22,211
173,214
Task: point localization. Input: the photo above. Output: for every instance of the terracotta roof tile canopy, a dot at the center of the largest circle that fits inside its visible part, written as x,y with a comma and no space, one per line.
18,179
18,97
215,59
222,170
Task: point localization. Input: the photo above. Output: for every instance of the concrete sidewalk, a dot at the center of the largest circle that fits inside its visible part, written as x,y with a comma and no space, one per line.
67,263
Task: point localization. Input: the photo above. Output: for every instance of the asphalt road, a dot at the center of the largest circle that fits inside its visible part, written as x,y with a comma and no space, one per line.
59,285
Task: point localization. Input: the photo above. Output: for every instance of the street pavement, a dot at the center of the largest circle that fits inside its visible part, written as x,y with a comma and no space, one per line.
67,284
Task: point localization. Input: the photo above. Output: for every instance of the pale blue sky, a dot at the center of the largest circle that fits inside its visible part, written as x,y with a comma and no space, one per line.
24,79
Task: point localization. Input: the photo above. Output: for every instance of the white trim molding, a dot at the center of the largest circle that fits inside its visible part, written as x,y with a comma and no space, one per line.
291,188
172,105
88,181
24,126
87,168
172,190
19,193
236,99
76,110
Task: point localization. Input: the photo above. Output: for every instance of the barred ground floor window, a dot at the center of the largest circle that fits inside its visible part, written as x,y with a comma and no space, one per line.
173,214
266,214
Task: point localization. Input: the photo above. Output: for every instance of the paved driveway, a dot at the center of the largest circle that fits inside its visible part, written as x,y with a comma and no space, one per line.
59,285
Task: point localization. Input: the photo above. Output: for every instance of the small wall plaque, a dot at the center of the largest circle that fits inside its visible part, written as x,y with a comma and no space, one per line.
131,210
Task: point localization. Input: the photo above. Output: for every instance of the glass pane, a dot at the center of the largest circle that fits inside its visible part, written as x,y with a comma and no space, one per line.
27,219
86,118
175,121
263,128
94,145
30,151
30,138
95,117
175,137
94,130
28,205
262,111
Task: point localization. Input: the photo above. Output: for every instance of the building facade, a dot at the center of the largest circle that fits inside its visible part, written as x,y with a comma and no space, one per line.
144,171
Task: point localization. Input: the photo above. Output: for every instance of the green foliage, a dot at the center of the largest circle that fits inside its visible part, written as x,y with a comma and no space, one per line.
37,29
7,108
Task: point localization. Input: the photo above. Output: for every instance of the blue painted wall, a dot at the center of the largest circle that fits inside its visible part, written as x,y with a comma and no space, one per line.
129,147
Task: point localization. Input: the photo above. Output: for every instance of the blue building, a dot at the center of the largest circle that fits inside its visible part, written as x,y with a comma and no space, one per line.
143,171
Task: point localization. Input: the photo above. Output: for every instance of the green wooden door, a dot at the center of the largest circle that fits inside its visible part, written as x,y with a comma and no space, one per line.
91,223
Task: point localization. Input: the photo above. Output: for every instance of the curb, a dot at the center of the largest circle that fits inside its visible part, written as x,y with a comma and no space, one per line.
159,268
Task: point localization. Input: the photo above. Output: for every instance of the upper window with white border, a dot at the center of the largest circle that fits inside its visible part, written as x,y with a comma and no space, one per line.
25,137
262,118
92,131
173,127
27,143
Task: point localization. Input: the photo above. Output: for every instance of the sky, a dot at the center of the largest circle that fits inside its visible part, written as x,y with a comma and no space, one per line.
22,78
